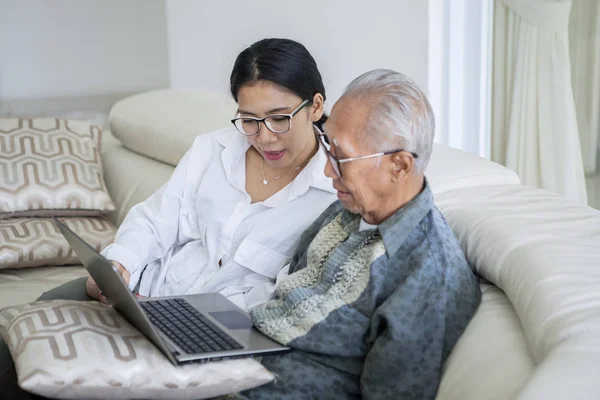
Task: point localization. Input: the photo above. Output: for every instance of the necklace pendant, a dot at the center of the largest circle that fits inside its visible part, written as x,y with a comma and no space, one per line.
265,182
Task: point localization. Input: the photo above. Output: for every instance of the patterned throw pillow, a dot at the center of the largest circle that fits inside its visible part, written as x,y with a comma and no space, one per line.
86,350
51,167
32,242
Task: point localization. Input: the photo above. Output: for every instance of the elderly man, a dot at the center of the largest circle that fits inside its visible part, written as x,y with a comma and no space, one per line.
379,289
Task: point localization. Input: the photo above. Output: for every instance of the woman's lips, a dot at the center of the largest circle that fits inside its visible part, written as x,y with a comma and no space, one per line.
274,155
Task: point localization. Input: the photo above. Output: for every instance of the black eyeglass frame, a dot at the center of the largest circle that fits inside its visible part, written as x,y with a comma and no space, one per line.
265,122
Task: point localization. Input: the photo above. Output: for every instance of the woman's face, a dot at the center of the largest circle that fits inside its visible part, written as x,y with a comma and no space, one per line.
280,150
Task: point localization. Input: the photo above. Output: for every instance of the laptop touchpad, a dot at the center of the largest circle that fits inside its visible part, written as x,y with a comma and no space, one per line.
232,319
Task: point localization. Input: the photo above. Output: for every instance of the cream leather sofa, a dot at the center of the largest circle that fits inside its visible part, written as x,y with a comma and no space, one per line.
536,334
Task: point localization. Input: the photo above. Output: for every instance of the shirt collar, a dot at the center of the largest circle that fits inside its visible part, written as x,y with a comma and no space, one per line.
234,154
232,140
396,228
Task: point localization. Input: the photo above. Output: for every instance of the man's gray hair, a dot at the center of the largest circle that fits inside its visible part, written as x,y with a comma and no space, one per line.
400,114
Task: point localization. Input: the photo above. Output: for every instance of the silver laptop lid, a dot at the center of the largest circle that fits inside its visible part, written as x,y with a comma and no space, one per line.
113,287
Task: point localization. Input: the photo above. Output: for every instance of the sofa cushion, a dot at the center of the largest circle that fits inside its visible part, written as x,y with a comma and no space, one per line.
451,169
32,242
543,252
51,168
24,285
162,124
86,350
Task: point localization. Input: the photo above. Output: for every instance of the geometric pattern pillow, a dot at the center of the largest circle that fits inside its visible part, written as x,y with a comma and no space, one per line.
51,167
85,350
32,242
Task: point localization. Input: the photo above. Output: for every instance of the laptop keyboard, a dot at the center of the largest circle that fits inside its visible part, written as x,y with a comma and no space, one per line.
187,327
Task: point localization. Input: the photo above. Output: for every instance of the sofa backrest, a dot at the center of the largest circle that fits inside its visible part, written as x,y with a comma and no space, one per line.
162,124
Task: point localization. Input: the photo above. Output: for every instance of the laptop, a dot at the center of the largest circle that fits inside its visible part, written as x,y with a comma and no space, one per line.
191,328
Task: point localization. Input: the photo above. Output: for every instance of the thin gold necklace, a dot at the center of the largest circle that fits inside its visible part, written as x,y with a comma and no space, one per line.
266,181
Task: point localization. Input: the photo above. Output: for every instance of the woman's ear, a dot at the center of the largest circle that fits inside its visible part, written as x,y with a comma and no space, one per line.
317,108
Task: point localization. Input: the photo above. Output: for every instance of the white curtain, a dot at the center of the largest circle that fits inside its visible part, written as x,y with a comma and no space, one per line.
584,46
534,125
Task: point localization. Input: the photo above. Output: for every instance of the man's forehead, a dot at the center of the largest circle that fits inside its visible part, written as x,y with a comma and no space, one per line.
341,140
332,133
346,122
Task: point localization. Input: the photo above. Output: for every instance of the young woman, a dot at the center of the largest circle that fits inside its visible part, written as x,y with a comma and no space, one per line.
231,215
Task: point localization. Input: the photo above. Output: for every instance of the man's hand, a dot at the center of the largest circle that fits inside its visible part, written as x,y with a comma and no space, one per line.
94,291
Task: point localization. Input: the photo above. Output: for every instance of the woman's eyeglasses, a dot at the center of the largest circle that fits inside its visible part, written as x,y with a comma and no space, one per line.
335,163
276,123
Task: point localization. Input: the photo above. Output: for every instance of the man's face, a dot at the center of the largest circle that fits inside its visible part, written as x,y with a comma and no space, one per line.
364,185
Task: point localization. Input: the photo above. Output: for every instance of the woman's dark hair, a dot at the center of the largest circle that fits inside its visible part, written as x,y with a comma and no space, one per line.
282,61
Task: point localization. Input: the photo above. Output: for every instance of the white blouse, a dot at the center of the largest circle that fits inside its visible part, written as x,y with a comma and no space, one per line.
199,233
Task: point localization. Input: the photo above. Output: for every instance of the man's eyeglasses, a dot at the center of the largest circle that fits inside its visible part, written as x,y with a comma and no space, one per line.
335,163
276,123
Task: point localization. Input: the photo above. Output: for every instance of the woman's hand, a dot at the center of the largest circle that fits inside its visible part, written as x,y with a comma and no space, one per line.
94,291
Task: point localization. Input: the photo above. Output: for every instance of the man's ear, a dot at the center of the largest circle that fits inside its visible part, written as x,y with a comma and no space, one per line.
317,108
403,164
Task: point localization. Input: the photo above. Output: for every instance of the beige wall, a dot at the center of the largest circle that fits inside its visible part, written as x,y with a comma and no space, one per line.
64,48
54,55
346,37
